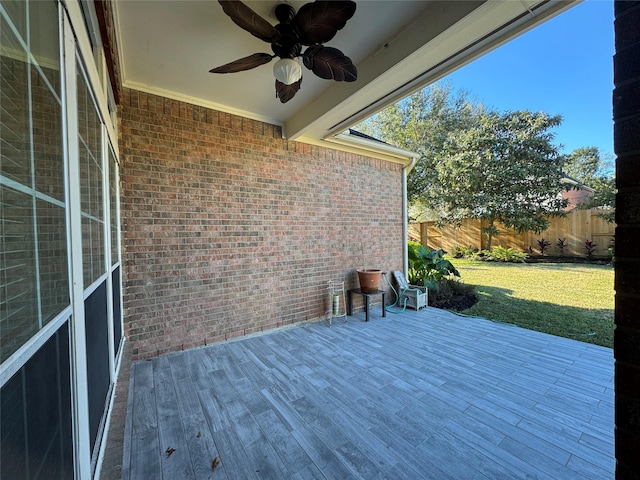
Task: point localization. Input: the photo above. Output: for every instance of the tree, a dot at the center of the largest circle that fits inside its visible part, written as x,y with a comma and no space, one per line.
475,163
504,169
583,164
423,123
587,167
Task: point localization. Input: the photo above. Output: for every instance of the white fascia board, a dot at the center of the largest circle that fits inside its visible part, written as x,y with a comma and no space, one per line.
577,185
370,148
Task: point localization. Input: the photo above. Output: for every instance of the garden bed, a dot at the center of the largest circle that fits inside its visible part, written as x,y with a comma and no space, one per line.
459,303
582,260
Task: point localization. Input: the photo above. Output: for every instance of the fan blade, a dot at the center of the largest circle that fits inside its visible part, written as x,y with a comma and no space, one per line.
286,92
249,20
318,22
242,64
330,63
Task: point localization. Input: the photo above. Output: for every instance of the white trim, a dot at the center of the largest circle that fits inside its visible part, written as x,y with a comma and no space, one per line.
141,87
405,214
373,147
32,179
576,185
22,56
78,354
174,95
107,420
76,18
30,58
117,262
88,291
101,434
20,357
7,182
106,208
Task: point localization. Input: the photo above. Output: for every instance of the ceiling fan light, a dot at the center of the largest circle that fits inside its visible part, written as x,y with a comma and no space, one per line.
287,71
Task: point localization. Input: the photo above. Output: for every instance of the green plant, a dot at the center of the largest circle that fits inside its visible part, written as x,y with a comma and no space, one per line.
427,267
612,247
543,245
504,254
590,248
469,253
478,255
462,252
561,243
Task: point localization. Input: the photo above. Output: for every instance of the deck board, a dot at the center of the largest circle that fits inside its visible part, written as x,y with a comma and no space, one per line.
424,394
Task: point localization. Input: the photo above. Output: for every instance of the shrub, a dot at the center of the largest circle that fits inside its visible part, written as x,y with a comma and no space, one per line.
463,252
590,248
441,297
452,294
427,267
543,245
479,255
469,253
504,254
561,244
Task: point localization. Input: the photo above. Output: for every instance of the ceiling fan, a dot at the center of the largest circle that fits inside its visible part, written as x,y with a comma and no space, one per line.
314,24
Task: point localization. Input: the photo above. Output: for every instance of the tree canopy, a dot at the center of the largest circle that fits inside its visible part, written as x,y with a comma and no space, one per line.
422,123
477,163
587,167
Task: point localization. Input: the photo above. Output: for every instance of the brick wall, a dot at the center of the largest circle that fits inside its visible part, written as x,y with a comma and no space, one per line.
626,114
230,229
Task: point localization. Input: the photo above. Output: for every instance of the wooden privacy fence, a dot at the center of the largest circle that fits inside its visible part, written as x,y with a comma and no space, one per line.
576,227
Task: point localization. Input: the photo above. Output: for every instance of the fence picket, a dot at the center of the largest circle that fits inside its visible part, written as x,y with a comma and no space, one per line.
576,227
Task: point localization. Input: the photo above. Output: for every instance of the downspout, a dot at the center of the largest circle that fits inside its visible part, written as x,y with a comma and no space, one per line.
405,215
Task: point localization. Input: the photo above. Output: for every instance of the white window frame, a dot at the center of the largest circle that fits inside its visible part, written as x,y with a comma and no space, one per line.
75,47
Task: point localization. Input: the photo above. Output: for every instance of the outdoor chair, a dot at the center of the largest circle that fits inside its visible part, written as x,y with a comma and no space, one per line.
415,296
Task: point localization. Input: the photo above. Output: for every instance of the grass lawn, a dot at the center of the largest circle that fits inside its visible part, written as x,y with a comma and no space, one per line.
564,299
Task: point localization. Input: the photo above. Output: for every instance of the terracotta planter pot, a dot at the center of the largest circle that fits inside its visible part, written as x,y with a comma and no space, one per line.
369,279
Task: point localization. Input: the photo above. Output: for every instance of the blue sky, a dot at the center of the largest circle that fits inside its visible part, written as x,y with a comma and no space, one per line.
563,66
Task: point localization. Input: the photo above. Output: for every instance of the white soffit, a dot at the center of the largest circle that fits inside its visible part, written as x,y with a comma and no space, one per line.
166,48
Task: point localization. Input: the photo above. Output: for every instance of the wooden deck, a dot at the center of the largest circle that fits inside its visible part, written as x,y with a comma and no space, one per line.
419,395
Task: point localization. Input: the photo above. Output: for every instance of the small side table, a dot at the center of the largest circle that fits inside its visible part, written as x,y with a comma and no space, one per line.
366,297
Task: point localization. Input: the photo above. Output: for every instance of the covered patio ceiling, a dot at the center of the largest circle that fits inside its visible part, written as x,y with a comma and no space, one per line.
168,48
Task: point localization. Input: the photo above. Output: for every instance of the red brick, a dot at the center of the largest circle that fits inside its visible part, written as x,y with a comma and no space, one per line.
231,230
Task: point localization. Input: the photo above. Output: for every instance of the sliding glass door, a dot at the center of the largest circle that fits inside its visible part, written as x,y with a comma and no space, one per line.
60,287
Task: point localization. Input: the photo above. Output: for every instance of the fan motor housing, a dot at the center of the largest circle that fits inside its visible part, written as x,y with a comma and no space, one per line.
288,43
285,13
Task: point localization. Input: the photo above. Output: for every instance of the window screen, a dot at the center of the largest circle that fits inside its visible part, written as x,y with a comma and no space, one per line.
33,245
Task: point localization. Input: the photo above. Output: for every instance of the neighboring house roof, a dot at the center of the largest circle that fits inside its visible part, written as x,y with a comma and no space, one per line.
575,184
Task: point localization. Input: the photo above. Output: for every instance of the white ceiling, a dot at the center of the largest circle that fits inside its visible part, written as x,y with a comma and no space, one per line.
167,47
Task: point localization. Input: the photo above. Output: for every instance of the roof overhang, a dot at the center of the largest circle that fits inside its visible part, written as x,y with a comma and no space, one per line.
167,47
